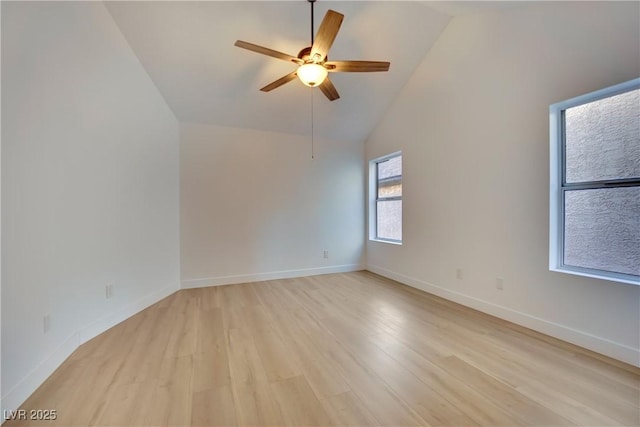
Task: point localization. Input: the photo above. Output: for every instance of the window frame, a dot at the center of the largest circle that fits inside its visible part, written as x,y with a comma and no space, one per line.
373,198
559,186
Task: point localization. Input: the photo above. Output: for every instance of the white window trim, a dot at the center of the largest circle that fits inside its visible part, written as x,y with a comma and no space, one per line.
556,205
373,189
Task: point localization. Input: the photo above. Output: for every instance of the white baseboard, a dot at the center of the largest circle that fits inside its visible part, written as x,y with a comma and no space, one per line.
34,379
21,391
594,343
274,275
110,320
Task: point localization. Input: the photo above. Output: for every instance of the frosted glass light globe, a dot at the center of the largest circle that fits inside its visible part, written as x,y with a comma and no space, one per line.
312,74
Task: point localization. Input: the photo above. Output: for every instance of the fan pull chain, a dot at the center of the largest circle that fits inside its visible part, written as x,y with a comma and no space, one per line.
312,41
312,153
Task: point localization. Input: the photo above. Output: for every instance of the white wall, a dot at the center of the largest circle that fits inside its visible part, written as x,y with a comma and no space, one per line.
255,206
89,186
1,405
473,125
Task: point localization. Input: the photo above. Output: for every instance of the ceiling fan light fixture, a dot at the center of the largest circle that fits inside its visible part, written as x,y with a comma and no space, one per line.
312,74
312,61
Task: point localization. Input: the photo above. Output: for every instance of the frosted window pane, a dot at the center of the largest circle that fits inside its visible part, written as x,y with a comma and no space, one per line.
602,229
603,139
389,168
389,219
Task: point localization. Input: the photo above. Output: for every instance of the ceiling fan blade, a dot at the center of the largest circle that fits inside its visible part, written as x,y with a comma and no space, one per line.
279,82
266,51
329,90
356,66
326,34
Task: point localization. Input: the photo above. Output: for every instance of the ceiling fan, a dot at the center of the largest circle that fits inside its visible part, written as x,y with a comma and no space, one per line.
313,64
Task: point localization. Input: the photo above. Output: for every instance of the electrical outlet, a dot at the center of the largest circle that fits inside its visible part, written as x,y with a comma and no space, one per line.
499,283
108,291
459,273
326,254
46,323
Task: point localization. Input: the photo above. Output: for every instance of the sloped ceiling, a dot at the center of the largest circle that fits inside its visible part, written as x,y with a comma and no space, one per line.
187,49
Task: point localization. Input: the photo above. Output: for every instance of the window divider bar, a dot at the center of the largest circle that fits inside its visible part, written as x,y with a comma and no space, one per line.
388,199
626,182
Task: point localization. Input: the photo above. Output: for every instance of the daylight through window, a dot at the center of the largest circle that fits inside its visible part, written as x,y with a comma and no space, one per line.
595,184
388,198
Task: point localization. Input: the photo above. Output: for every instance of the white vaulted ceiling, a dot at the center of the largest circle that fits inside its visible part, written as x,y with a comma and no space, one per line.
187,49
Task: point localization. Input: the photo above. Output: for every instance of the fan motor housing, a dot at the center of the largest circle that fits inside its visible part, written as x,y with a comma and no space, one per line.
305,55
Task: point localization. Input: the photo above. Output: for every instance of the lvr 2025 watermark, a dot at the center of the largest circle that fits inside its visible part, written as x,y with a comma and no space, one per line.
30,414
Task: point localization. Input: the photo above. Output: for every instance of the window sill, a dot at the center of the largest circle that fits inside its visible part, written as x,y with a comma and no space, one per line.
391,242
613,277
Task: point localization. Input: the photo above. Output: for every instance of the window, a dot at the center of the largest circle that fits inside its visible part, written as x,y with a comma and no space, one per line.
385,183
595,184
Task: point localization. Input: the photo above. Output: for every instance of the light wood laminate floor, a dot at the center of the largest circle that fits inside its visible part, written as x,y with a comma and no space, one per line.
342,349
